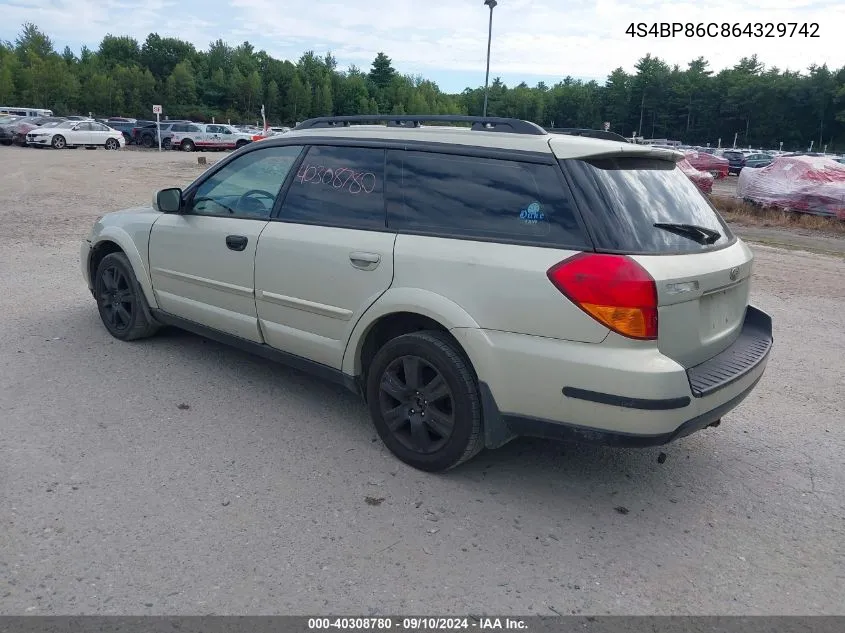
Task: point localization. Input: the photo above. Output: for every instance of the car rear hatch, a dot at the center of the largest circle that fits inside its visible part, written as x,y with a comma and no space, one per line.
638,204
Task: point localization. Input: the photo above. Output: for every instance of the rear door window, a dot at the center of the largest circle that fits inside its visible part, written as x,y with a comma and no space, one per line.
481,198
623,198
338,186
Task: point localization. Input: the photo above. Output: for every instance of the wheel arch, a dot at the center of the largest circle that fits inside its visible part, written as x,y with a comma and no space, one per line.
400,311
116,240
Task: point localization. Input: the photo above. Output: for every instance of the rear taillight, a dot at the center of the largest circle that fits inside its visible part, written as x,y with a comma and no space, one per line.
613,289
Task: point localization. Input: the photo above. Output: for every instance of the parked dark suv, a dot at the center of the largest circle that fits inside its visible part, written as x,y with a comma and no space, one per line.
736,160
146,134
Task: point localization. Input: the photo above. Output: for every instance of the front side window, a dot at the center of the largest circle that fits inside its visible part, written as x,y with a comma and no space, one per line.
248,186
338,186
481,198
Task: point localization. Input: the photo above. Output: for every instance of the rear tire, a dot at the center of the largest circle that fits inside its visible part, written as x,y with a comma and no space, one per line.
112,144
423,399
147,141
123,308
187,146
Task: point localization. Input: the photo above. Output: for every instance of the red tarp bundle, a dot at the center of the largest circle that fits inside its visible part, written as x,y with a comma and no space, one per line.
715,165
702,179
808,184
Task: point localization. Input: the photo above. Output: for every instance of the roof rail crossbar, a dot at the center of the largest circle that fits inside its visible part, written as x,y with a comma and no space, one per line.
484,124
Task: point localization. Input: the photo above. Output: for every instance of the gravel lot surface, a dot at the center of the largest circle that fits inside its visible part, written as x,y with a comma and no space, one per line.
175,475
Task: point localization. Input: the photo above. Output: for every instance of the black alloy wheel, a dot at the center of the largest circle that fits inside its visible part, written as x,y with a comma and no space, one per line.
120,300
116,299
424,401
417,404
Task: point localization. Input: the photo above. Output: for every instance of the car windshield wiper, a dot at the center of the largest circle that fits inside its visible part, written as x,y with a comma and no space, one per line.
699,234
217,202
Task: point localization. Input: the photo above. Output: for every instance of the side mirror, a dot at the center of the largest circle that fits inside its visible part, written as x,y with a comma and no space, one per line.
169,200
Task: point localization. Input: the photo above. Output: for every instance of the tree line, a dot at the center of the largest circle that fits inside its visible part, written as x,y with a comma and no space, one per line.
761,106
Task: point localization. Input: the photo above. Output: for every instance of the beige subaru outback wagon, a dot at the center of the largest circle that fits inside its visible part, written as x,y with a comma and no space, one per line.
473,282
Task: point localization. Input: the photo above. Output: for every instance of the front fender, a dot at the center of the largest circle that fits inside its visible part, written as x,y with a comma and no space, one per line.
415,300
136,252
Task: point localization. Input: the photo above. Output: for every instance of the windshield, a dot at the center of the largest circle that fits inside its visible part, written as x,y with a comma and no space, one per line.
625,198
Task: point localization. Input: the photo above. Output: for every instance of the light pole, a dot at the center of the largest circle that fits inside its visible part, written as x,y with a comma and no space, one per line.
492,4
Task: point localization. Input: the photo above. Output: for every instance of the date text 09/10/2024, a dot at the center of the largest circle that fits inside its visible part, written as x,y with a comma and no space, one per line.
724,29
417,624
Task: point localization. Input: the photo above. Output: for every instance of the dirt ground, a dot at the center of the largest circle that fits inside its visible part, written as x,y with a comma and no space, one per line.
178,476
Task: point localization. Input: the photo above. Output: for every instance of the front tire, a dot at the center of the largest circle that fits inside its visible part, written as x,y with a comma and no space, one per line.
59,142
187,146
423,400
120,300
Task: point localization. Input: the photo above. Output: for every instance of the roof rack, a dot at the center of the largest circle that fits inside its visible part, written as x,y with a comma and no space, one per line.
479,124
602,134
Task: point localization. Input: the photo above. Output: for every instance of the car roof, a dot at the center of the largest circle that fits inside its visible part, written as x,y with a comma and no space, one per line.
562,146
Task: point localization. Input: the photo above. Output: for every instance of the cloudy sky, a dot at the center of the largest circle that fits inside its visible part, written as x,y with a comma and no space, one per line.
446,40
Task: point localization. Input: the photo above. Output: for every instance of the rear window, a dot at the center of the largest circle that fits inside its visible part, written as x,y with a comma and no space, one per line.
481,198
623,199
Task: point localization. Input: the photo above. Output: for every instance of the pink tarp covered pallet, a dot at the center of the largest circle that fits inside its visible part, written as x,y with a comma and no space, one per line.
807,184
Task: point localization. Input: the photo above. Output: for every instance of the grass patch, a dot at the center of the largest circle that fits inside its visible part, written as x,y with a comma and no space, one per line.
745,214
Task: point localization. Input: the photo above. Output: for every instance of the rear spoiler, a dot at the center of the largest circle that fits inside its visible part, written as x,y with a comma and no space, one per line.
574,131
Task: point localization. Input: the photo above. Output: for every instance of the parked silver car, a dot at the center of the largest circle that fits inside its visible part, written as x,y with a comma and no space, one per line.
473,284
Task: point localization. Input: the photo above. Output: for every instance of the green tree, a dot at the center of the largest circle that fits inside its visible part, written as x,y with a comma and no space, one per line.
272,101
121,50
323,103
161,54
7,82
382,72
181,86
299,97
31,41
763,106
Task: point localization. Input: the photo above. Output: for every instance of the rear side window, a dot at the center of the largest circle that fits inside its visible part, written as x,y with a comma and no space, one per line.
481,198
623,199
338,186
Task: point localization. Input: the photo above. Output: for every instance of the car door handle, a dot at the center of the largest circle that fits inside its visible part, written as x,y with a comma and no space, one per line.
364,261
236,242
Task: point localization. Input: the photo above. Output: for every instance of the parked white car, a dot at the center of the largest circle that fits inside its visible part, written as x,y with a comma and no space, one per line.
212,136
75,134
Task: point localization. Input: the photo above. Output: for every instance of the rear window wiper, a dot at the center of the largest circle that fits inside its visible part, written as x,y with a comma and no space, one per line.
699,234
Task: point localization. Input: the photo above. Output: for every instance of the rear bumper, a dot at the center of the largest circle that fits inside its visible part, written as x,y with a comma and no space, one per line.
609,394
517,426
